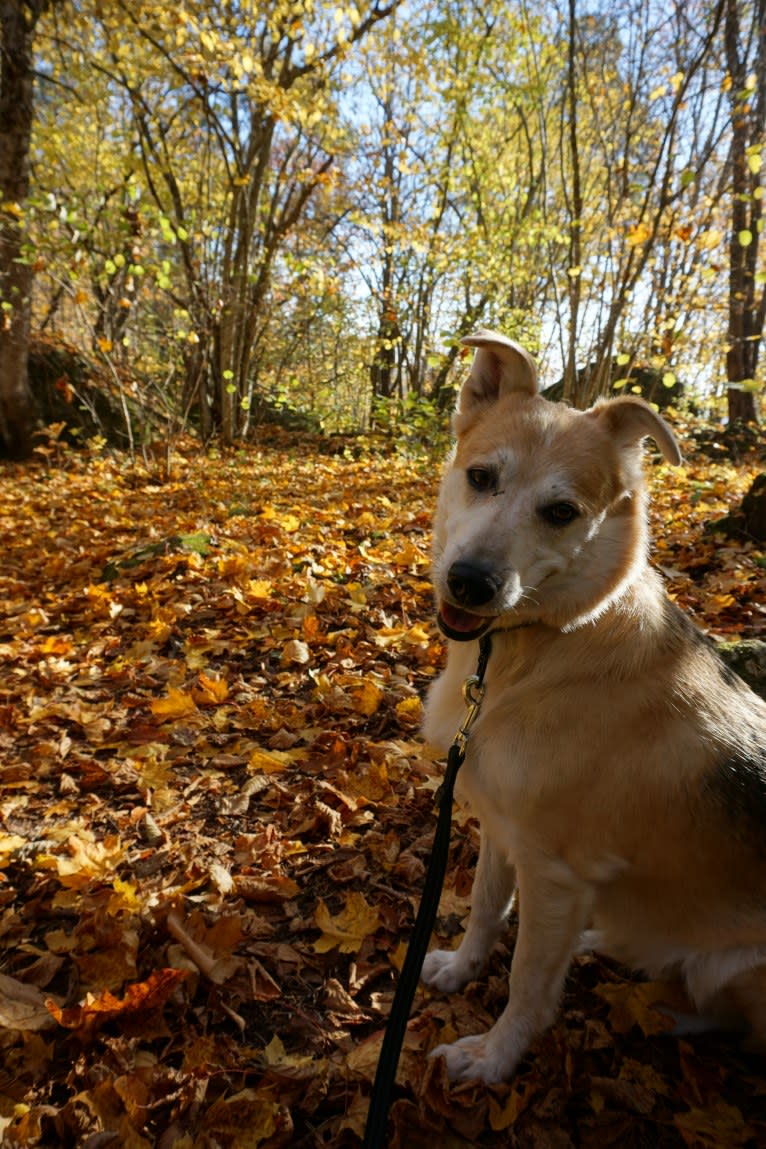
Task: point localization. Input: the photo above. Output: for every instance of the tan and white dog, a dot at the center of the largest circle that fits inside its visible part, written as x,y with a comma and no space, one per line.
617,767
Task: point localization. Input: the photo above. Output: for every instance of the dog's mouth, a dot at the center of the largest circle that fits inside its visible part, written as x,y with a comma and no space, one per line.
461,625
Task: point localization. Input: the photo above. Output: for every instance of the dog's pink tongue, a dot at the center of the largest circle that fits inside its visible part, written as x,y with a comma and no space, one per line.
461,620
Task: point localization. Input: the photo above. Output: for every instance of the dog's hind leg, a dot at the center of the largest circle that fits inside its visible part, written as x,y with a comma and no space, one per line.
491,897
553,911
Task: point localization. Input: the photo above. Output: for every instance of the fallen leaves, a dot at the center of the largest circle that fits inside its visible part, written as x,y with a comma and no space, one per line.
216,814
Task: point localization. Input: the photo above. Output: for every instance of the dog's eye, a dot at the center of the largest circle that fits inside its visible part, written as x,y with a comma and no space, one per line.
559,514
482,478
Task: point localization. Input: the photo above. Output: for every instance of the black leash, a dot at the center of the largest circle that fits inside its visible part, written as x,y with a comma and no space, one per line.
380,1100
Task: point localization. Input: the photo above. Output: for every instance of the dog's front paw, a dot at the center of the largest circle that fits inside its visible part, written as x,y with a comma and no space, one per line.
476,1059
448,970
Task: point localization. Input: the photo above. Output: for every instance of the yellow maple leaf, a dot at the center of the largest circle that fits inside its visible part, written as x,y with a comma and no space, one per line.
177,704
268,762
348,929
124,899
88,860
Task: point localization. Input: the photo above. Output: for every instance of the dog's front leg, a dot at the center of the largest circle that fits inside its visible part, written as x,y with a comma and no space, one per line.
554,908
491,896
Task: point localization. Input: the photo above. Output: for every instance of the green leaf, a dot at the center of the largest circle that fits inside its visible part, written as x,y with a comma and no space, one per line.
199,542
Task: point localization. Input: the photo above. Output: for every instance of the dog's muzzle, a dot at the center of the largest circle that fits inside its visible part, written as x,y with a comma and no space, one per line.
470,585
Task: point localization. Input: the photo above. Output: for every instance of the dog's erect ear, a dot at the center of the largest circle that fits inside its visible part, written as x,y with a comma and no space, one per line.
499,366
630,420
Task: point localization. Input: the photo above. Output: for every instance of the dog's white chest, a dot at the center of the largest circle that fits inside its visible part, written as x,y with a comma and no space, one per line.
494,796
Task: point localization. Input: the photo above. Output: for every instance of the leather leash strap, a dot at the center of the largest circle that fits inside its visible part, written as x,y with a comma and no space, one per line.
380,1099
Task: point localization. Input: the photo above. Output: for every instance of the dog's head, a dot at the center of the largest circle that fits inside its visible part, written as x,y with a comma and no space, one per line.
541,513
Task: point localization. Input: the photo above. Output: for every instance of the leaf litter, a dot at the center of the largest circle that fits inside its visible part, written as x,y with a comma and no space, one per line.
217,813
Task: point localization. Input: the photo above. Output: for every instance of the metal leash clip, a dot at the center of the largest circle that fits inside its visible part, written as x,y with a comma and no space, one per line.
473,693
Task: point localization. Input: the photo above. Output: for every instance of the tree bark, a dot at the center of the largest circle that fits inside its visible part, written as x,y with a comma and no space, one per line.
17,413
747,305
575,214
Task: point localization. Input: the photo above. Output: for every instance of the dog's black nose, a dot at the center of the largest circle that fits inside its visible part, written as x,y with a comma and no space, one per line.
471,584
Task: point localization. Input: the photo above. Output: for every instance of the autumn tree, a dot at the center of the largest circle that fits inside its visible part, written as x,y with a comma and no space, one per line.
638,133
18,19
237,205
449,202
250,90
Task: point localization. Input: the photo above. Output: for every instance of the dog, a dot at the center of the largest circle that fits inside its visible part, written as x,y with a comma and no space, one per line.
617,767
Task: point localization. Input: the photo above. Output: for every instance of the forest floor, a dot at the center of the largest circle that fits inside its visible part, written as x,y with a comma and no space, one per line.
216,810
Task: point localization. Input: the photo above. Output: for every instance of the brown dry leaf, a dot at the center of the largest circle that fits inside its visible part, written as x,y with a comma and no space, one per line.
642,1003
246,1120
108,1103
716,1126
23,1007
268,888
504,1114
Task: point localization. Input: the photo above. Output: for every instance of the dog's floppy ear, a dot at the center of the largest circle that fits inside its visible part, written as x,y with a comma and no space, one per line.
630,420
499,366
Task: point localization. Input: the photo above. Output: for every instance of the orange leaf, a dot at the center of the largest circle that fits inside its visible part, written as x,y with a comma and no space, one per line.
140,997
210,691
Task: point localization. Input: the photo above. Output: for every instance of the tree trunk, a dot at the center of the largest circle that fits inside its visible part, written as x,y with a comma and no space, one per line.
571,386
747,305
17,413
